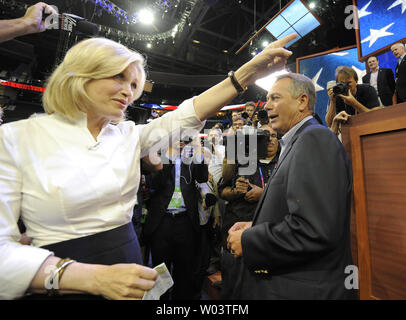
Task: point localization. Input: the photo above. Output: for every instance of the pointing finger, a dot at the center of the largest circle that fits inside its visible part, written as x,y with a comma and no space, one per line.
284,41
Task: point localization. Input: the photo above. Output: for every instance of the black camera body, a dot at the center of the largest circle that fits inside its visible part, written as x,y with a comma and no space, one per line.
263,116
341,88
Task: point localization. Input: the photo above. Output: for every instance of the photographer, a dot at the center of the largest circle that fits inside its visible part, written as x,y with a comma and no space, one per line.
248,113
243,194
349,96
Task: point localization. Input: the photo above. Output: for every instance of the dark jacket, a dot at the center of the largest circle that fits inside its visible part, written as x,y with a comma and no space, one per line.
299,244
401,81
386,85
162,184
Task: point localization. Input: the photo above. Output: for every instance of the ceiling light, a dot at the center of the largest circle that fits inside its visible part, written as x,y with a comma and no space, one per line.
225,51
146,16
312,5
196,41
149,45
265,44
268,82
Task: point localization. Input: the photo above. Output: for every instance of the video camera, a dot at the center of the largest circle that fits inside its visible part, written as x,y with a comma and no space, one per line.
247,142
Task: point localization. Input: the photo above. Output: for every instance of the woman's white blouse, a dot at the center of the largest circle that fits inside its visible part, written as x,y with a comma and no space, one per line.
65,184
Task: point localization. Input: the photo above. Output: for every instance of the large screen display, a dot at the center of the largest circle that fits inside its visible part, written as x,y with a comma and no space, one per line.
295,17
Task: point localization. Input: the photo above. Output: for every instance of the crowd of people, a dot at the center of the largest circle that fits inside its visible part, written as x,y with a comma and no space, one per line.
103,201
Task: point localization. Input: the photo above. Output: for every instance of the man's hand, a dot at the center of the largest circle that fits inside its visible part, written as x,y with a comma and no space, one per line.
254,194
340,118
234,237
241,186
348,99
331,95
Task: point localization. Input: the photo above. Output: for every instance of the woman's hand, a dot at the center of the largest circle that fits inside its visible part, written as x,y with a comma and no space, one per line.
124,281
34,15
272,58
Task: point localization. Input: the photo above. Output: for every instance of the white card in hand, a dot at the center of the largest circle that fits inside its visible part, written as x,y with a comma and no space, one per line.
162,283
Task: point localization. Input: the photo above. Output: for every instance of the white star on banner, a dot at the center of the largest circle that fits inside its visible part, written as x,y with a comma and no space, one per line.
376,34
363,12
316,79
341,54
360,73
398,2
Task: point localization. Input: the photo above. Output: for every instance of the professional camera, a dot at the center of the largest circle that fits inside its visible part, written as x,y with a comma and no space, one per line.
243,138
341,88
263,116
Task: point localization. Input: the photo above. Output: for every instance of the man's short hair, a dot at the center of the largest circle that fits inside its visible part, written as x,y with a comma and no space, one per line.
90,59
300,84
250,103
242,119
398,44
347,72
373,57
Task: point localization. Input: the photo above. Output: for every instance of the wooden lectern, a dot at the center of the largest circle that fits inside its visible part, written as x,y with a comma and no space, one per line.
376,144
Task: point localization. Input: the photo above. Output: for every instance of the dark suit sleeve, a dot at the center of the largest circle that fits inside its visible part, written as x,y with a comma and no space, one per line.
390,78
365,79
317,189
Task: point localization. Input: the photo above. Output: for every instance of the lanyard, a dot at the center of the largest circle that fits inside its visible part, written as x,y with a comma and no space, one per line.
262,177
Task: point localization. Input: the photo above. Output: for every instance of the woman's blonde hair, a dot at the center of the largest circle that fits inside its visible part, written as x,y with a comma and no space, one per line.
95,58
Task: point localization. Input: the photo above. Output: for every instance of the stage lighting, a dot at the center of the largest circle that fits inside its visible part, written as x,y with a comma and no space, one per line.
146,16
267,82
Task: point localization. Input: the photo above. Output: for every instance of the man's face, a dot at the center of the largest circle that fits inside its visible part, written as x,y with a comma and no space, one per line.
214,136
238,124
283,109
373,63
273,141
250,110
235,115
350,81
398,51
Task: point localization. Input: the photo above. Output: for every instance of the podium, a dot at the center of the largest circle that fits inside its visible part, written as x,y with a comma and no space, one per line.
376,144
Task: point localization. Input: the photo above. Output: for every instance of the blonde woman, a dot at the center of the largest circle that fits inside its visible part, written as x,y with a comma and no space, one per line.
73,174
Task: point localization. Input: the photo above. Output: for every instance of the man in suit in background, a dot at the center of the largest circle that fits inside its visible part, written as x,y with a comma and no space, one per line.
399,51
298,244
382,79
172,226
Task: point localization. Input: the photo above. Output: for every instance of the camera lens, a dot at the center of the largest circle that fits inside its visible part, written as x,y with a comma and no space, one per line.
262,115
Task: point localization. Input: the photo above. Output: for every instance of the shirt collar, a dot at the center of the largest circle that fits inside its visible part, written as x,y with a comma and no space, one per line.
401,58
287,137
